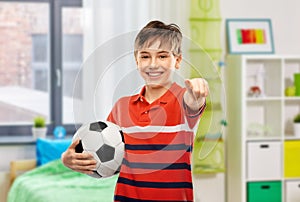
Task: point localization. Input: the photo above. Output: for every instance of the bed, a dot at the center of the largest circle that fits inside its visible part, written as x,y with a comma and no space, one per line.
51,181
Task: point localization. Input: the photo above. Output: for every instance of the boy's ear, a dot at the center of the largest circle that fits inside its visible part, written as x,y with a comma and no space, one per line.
178,61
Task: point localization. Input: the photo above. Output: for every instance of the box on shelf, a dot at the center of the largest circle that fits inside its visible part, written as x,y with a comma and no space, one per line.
264,160
264,191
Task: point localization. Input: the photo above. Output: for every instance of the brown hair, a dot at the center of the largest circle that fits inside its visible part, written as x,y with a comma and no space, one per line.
169,36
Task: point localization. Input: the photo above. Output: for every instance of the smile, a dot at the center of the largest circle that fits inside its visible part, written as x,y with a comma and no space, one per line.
154,74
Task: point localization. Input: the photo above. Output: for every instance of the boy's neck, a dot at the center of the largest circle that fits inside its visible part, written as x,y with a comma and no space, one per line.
152,93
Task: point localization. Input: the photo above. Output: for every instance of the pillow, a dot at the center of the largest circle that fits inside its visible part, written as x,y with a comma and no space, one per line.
48,150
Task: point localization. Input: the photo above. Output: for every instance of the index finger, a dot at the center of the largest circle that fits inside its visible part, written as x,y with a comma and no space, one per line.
188,85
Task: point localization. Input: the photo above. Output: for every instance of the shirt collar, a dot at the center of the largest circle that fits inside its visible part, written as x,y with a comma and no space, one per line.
163,99
139,97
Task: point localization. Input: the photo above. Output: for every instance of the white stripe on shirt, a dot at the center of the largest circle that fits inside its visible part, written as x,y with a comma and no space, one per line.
162,129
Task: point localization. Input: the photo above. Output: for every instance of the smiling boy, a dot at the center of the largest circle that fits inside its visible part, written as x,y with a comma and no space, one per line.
158,123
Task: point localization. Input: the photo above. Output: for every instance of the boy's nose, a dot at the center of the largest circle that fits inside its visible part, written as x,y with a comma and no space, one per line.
153,62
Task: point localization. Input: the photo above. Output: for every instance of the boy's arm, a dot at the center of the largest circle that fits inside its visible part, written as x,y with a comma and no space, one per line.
195,95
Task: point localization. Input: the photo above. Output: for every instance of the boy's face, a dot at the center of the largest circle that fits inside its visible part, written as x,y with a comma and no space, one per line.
156,65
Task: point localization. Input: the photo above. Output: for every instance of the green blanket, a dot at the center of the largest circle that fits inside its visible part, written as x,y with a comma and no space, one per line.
53,182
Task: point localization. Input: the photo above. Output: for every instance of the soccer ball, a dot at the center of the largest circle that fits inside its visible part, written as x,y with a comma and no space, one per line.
104,140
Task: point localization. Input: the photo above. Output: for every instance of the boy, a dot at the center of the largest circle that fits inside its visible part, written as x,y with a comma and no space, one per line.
157,123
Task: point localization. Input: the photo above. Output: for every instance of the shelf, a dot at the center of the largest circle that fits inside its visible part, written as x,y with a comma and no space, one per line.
260,118
261,147
262,74
262,99
292,179
295,98
287,137
265,180
263,139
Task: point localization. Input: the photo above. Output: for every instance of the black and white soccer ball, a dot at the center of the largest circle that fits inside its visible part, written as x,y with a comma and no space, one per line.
104,140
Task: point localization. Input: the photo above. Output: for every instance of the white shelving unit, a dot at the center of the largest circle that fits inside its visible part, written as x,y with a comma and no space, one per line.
263,155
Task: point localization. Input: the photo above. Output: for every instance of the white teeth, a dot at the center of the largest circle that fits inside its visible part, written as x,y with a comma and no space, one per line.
154,74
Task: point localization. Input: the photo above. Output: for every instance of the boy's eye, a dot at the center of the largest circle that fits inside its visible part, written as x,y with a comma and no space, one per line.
144,56
163,56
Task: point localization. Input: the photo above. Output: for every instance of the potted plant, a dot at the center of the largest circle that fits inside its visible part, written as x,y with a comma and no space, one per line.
39,128
297,125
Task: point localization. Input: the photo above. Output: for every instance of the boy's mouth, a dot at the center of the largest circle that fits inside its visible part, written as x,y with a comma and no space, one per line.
154,74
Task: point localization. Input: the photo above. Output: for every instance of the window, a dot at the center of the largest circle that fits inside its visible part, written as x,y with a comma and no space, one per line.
19,97
37,68
40,62
72,54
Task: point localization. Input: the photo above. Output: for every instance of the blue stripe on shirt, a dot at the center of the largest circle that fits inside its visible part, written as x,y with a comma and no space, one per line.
156,166
170,185
127,199
168,147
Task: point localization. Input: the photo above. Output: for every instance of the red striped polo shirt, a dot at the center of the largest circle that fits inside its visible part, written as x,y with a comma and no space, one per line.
158,143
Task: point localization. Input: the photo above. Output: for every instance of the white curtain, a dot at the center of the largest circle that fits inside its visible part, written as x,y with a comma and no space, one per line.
109,70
